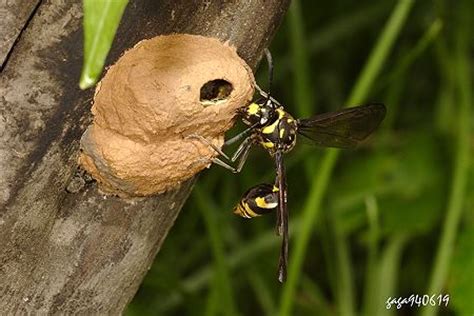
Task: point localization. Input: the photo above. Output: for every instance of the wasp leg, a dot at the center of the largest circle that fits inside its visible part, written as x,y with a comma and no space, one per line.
239,136
243,147
240,156
224,164
241,153
207,142
226,143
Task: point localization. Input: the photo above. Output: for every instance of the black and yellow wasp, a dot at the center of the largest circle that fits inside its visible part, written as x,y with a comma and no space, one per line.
276,130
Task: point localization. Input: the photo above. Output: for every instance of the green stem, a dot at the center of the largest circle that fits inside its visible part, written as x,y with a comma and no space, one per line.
222,276
461,166
240,257
373,241
212,303
345,288
395,81
347,25
318,188
316,297
302,83
261,292
387,274
380,52
310,210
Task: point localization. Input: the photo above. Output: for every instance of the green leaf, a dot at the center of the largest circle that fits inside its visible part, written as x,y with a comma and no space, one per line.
101,19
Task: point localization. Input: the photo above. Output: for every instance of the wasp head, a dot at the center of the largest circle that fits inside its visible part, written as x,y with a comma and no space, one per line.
259,113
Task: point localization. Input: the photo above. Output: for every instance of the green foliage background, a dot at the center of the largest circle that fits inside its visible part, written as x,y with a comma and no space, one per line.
392,218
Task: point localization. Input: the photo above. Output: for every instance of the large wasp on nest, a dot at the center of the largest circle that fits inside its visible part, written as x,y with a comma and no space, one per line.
276,130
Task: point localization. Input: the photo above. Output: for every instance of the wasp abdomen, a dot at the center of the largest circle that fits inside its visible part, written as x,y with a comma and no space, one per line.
258,200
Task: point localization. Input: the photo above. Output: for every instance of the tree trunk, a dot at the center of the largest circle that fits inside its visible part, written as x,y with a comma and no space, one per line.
85,252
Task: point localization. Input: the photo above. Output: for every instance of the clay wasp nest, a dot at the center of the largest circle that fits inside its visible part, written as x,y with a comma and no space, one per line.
158,94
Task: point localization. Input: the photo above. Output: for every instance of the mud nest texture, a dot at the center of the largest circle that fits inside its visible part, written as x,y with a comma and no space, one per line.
158,94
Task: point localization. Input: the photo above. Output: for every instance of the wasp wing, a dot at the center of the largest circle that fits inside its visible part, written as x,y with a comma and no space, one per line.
344,128
282,216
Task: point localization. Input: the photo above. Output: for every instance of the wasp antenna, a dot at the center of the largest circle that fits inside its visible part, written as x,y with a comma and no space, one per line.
269,57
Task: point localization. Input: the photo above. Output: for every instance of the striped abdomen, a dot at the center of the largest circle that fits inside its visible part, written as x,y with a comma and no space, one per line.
258,200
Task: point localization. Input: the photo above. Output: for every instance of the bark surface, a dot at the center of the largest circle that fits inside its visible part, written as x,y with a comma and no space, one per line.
85,253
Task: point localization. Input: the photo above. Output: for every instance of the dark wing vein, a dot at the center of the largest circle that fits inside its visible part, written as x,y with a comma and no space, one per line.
344,128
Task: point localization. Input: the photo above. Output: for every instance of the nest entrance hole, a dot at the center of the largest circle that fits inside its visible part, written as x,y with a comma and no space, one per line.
214,91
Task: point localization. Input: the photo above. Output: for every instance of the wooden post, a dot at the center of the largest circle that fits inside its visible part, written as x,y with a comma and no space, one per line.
85,253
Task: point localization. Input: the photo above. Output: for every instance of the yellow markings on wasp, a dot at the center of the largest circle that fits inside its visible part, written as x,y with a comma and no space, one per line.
268,144
271,128
275,189
282,132
249,211
253,109
289,120
260,201
244,210
237,211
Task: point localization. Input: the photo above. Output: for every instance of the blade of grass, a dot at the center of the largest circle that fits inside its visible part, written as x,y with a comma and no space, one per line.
420,47
342,28
302,93
212,303
316,296
319,186
345,286
380,52
101,20
372,254
262,292
444,117
225,286
395,81
386,270
326,240
387,274
346,25
461,162
241,256
302,84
